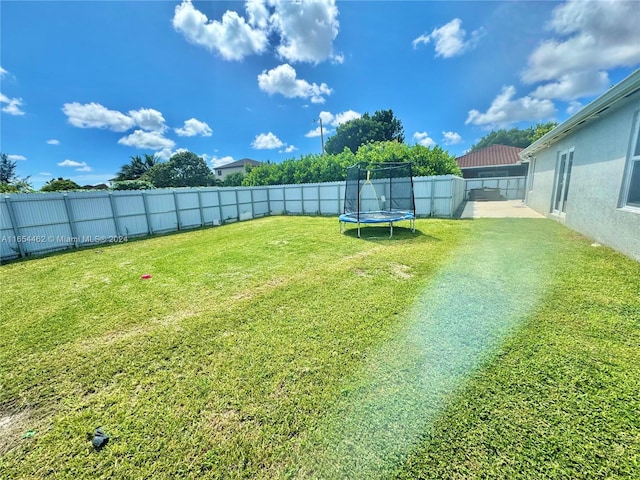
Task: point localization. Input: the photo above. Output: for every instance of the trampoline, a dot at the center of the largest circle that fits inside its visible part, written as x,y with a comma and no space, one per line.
379,193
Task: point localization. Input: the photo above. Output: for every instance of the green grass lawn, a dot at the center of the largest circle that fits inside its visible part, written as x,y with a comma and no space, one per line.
278,348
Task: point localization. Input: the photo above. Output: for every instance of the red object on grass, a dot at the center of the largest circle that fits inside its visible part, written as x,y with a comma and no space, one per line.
145,276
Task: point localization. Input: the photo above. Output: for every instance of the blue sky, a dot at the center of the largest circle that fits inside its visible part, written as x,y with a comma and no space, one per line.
86,85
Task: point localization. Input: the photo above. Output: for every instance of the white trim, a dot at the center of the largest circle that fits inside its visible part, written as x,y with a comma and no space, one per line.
566,182
620,92
633,160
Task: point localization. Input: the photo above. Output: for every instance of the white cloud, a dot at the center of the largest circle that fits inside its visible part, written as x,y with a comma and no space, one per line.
79,166
574,107
71,163
344,117
315,132
148,119
337,59
307,29
218,161
3,72
166,153
233,38
302,31
601,35
94,115
282,79
266,141
258,13
423,139
331,120
147,140
574,85
505,110
289,149
450,39
326,117
13,105
451,138
16,157
193,127
53,141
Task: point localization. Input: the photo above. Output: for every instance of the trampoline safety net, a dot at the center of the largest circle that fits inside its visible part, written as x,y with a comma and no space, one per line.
379,187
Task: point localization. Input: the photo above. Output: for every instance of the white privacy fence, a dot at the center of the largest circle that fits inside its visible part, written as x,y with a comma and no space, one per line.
511,188
33,223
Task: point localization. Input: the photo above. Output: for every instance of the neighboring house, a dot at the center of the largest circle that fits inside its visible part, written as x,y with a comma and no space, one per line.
492,161
233,167
585,173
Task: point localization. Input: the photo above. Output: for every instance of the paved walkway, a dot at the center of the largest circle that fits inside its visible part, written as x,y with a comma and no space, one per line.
502,209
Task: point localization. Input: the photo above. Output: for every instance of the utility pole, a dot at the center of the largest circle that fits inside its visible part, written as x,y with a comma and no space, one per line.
321,134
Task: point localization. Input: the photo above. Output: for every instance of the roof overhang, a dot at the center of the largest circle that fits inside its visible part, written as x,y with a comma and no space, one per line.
615,96
500,165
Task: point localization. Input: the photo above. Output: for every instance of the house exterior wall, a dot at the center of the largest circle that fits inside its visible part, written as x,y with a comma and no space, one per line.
599,163
221,173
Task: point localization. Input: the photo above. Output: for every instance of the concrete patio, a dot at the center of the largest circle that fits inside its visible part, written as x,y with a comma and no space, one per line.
501,209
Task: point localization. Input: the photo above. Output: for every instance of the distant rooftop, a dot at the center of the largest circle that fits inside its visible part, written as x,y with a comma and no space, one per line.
490,156
240,163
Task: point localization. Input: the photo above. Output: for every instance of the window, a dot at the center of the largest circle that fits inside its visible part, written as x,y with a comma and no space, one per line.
631,185
219,172
563,177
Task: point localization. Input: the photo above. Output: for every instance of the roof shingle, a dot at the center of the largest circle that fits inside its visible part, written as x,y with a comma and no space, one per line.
490,156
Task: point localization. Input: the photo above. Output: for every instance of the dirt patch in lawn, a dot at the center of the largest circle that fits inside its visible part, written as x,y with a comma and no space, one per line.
400,271
15,427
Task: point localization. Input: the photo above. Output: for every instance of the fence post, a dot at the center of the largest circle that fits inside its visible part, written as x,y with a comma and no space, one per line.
175,204
319,201
200,208
220,206
252,209
147,215
14,224
452,198
284,199
302,198
113,213
269,200
433,196
235,191
67,206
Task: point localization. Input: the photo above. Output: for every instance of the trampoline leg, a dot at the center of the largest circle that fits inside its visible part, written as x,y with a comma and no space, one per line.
358,229
391,229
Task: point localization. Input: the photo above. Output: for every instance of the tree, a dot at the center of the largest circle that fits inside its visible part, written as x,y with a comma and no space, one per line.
392,129
22,185
136,167
184,169
514,137
425,161
541,129
7,169
60,184
132,185
380,127
233,179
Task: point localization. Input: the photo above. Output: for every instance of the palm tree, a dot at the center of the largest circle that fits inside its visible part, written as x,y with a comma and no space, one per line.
136,167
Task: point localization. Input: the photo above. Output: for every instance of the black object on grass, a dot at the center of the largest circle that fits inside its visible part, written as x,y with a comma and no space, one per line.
99,439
